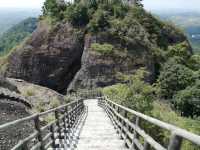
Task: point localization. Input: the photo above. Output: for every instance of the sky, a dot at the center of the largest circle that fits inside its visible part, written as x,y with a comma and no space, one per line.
167,5
149,4
35,4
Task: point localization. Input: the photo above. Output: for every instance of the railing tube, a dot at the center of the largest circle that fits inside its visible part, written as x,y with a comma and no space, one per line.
38,128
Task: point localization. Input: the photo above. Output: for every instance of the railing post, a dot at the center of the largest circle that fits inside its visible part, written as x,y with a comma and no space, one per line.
68,124
175,142
126,127
135,135
64,119
121,126
53,136
37,127
69,120
58,123
146,145
118,119
73,113
24,146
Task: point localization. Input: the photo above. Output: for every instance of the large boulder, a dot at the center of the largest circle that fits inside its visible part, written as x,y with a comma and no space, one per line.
41,98
100,70
50,57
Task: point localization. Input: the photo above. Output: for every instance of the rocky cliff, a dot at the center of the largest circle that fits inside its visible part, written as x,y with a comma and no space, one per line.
51,57
69,57
100,70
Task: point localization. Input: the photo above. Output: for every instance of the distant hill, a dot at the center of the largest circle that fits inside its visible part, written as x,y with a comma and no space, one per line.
16,34
189,22
10,17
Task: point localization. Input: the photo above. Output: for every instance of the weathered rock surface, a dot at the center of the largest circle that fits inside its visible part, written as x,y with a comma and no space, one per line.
4,83
50,57
61,57
38,96
98,70
10,111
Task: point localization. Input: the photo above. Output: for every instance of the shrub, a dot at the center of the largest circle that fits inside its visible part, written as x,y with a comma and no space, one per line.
163,111
54,103
53,9
130,33
29,91
187,101
99,21
180,50
39,106
194,62
104,49
136,95
161,34
77,14
173,78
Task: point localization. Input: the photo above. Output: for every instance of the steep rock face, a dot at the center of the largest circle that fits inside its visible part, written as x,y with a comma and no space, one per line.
99,70
62,57
50,57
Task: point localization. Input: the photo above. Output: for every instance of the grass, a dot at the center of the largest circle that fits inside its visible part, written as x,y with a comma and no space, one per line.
163,111
104,49
29,91
54,102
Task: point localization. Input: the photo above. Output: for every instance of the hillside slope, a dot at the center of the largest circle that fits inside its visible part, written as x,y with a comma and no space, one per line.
16,35
9,17
189,22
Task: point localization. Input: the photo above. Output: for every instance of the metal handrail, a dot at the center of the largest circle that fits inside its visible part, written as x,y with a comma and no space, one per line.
67,113
122,121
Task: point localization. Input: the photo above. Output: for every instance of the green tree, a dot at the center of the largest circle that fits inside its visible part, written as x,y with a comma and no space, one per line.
194,62
173,78
187,101
54,8
180,50
136,94
99,21
77,14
